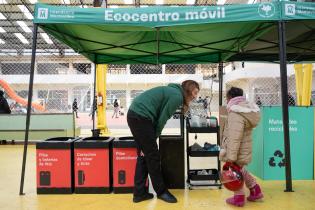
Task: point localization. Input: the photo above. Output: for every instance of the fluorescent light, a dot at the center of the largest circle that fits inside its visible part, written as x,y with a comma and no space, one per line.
159,1
221,2
65,1
251,1
46,38
128,1
2,30
143,6
190,2
27,13
3,2
113,6
2,42
2,17
33,1
21,38
23,25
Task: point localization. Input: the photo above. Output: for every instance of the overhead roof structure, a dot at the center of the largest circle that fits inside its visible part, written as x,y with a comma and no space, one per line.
12,11
17,17
300,43
199,34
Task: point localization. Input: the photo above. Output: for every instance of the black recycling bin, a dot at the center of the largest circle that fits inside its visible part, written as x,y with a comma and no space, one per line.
173,158
173,161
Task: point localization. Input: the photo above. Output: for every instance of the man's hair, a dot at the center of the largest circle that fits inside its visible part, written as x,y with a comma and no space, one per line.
188,86
234,92
1,93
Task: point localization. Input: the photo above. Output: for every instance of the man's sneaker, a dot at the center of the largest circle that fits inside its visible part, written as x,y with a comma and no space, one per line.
147,196
167,197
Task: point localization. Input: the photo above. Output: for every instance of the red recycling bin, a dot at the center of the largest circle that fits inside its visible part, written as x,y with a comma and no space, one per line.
124,163
92,165
54,166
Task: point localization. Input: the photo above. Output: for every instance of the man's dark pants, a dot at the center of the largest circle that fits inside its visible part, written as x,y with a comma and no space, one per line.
144,135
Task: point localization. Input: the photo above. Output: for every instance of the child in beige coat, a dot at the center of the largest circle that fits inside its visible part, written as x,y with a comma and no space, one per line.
236,144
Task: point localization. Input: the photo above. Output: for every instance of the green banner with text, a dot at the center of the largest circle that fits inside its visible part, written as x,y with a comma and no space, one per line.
268,144
157,16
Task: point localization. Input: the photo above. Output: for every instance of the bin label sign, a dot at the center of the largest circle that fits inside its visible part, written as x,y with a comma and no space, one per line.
91,167
53,168
124,164
120,155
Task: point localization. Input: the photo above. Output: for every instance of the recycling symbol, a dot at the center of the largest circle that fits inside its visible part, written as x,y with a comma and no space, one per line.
277,155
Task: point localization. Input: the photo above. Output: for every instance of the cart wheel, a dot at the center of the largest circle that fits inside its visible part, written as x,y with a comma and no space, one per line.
189,187
220,187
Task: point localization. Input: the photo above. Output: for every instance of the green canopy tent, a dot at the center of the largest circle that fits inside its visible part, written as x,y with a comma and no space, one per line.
184,35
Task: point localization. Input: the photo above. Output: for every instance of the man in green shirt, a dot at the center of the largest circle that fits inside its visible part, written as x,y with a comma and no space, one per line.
146,118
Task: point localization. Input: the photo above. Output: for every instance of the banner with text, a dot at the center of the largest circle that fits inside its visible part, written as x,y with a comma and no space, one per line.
157,16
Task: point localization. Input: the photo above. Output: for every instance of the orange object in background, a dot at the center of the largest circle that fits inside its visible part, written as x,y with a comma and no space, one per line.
11,93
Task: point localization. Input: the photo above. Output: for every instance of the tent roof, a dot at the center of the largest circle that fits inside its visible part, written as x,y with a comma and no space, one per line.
202,34
300,44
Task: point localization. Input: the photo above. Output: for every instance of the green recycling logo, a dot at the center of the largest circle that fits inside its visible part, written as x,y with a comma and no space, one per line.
266,10
277,159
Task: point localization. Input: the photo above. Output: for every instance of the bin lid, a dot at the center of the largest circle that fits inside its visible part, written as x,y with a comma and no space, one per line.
94,142
124,142
56,143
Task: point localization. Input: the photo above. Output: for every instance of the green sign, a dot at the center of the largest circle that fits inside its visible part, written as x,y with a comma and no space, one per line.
297,10
169,16
157,16
268,146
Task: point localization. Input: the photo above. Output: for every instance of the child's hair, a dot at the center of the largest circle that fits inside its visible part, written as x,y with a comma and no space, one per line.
234,92
188,87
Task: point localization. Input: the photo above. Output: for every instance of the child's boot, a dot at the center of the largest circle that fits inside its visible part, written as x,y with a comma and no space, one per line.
255,193
236,200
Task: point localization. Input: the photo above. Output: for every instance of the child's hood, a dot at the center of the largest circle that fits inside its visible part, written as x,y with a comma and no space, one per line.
248,110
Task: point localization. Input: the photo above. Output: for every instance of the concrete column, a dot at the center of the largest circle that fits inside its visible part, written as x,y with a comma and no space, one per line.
251,90
71,69
128,69
35,67
35,92
70,98
128,99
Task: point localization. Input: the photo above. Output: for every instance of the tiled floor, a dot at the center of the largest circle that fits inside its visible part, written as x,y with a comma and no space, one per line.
10,172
